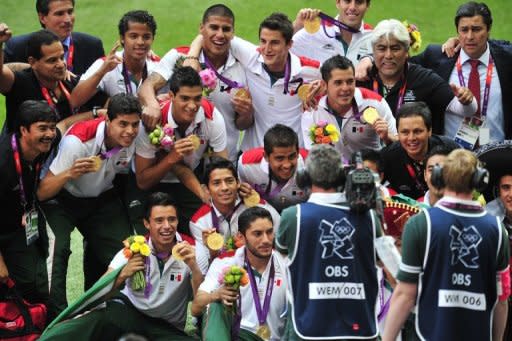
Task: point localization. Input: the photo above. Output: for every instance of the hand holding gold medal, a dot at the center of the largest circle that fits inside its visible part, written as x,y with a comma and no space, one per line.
370,115
312,26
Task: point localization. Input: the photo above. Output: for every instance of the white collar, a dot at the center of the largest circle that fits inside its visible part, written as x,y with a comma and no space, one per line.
484,58
326,198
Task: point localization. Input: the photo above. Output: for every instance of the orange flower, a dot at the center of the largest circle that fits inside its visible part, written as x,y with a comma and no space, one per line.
239,242
326,140
318,139
126,243
319,131
244,280
127,253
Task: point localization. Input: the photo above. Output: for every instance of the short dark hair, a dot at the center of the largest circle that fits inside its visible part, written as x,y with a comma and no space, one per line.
218,162
372,155
248,216
471,9
122,104
31,111
184,76
218,10
158,199
37,40
441,149
279,136
278,22
138,16
335,62
412,109
43,6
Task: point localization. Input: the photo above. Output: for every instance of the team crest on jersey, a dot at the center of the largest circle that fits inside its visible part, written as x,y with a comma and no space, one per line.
464,246
336,239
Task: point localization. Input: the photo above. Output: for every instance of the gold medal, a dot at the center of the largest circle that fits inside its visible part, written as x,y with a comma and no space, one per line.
241,93
97,163
252,200
175,252
370,115
312,26
215,241
263,331
303,92
196,141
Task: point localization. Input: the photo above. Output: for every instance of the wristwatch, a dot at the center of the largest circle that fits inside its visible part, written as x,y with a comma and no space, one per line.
95,113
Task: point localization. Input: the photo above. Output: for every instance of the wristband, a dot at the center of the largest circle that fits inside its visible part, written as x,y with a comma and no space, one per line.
192,57
95,112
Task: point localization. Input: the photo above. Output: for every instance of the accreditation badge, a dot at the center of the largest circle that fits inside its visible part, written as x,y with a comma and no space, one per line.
468,132
31,226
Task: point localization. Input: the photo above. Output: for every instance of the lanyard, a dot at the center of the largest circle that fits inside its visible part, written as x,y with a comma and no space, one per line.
71,54
261,312
488,80
126,77
413,170
215,219
108,153
17,164
401,92
52,99
230,83
326,18
339,118
461,206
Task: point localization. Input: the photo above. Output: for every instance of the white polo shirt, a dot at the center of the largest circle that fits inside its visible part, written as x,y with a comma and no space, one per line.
254,169
321,47
271,104
113,82
171,289
85,139
355,135
232,70
210,128
275,317
202,221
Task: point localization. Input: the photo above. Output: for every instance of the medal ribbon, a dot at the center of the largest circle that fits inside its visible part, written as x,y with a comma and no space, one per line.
384,307
287,72
215,219
261,313
461,206
126,77
411,169
401,92
267,194
335,22
488,80
52,99
230,83
109,153
17,164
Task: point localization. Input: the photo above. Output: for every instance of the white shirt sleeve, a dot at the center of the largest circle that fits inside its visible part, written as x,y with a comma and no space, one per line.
217,132
459,109
307,122
92,70
143,147
211,279
118,260
300,46
245,52
385,112
167,63
70,149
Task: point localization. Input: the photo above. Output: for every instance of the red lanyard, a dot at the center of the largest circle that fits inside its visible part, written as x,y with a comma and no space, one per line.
17,164
488,80
52,99
401,92
71,54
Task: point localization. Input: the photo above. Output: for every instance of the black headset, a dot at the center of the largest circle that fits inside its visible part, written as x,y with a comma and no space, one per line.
479,180
303,179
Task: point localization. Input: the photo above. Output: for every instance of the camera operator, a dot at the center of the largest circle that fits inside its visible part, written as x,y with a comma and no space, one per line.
332,256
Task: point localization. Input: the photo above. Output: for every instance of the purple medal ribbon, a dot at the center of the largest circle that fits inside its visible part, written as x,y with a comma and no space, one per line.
109,154
461,206
336,23
287,72
384,307
215,219
261,313
126,77
231,84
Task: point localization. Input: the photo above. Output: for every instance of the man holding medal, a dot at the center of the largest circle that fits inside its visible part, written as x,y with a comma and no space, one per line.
319,36
23,239
485,67
256,308
58,16
455,262
122,71
331,258
43,80
80,192
219,217
230,95
399,81
272,170
362,117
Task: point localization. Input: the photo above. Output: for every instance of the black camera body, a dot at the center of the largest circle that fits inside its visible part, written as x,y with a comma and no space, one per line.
360,188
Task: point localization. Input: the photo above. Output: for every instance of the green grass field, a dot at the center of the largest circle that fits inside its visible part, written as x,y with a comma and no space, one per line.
178,22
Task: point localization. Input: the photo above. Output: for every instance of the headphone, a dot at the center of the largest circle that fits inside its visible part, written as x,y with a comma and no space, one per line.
303,179
479,180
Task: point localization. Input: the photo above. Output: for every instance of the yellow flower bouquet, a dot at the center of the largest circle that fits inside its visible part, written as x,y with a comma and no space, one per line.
324,133
415,36
133,245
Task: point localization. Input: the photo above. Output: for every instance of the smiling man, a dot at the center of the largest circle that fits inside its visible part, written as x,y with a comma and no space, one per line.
473,22
22,236
399,82
122,71
80,183
217,29
352,42
404,160
58,16
344,105
222,212
272,170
